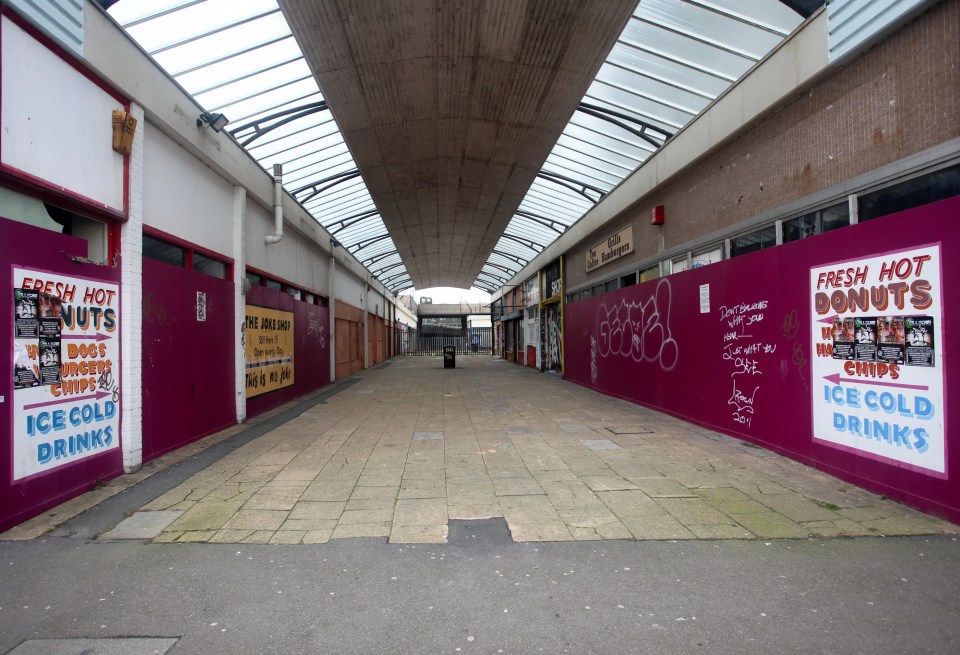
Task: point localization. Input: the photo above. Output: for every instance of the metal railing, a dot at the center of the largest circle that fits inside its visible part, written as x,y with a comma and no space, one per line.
471,341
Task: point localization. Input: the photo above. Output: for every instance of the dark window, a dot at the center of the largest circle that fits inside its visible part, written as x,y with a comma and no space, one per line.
209,266
323,301
628,280
912,193
254,279
762,238
162,251
273,284
818,222
613,285
651,273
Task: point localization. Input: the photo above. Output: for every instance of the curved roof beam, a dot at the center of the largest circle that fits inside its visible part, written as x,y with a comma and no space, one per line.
317,187
360,245
542,220
621,120
376,258
351,220
285,116
528,243
574,185
514,258
509,271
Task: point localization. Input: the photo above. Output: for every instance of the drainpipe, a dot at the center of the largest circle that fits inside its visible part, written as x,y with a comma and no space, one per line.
277,205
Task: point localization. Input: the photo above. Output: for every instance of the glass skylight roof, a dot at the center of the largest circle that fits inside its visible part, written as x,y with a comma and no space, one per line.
672,60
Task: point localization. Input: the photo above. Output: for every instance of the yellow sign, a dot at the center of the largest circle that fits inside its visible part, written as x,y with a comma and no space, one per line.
615,247
268,342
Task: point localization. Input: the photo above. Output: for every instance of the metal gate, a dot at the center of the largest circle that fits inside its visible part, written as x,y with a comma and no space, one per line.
468,341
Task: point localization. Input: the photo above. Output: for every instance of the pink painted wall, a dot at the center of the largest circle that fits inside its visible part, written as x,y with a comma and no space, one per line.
33,247
188,369
677,362
311,354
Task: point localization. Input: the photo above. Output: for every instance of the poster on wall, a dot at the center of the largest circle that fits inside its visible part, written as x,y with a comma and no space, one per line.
268,343
66,370
878,367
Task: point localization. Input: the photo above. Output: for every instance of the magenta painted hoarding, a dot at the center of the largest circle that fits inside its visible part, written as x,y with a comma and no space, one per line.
731,346
188,363
311,359
59,257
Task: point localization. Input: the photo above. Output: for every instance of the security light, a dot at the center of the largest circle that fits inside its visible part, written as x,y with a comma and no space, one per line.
216,121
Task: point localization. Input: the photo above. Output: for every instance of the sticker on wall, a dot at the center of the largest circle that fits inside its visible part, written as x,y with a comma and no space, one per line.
66,355
201,306
878,372
269,350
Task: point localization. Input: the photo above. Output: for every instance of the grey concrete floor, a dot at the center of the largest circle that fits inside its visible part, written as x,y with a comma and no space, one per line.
482,593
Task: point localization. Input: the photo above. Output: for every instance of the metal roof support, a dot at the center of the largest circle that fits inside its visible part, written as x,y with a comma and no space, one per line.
317,189
574,185
376,258
532,245
509,271
349,221
386,268
542,220
519,260
287,116
611,116
197,37
385,280
360,245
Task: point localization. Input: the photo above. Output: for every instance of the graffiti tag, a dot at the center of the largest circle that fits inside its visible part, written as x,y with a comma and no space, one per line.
639,330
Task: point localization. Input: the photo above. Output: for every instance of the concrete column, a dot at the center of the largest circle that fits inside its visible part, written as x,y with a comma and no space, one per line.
239,301
332,306
131,298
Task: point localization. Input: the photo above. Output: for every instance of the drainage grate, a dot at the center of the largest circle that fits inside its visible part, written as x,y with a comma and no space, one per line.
630,429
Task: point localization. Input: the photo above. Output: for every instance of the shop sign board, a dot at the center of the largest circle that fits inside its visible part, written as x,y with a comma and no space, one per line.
612,248
66,370
268,344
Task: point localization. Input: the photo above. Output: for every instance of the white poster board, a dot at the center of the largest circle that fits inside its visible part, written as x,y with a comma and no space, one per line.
877,327
66,370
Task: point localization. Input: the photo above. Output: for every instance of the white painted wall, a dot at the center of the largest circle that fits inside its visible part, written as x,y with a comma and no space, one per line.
184,197
57,125
294,259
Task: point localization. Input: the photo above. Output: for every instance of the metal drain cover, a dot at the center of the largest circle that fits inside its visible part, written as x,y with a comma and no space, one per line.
630,429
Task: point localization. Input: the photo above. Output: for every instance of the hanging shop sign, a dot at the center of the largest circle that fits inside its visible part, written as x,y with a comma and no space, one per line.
66,370
531,291
268,343
877,330
552,281
614,247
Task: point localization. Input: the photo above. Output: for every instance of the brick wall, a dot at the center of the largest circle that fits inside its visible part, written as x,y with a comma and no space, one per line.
898,98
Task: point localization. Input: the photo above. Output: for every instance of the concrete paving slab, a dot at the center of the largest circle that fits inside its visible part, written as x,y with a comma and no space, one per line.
110,646
600,444
525,451
142,525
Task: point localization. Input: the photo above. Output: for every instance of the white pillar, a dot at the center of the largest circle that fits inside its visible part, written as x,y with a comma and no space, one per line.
364,304
131,297
239,301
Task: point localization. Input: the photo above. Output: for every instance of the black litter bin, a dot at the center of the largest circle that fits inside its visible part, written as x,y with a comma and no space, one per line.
449,357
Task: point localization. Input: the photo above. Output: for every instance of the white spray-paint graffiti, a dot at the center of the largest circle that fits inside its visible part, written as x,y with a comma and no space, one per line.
316,329
594,371
639,330
552,316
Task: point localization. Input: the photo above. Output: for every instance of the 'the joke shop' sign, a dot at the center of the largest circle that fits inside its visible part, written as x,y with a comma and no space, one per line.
878,365
66,370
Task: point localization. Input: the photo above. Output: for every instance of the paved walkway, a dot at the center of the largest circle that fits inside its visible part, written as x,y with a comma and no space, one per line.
412,445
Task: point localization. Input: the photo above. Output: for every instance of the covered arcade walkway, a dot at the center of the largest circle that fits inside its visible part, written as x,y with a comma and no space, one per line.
398,452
